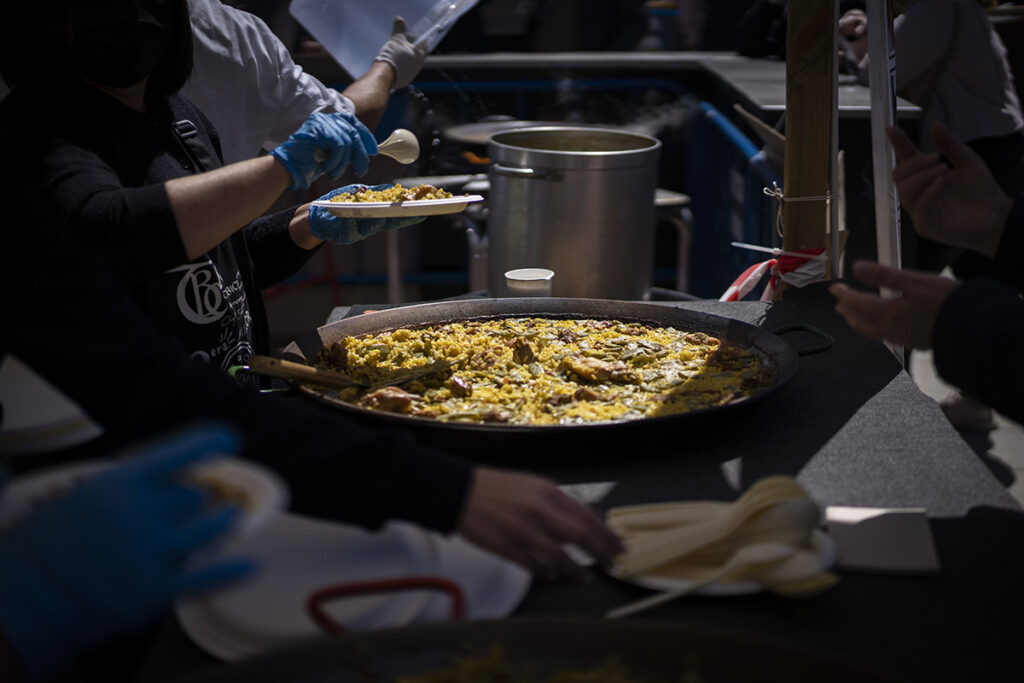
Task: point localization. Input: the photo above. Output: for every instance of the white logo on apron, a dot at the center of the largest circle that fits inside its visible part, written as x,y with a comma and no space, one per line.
199,293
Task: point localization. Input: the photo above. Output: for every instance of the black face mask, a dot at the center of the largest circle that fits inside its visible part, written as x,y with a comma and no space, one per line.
117,43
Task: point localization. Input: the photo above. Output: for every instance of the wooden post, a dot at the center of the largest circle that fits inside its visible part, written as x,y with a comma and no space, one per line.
810,86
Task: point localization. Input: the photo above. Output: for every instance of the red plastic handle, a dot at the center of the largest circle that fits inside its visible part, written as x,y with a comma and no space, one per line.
315,602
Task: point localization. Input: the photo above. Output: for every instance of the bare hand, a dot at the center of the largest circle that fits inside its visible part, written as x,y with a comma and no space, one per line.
907,320
961,205
528,519
853,28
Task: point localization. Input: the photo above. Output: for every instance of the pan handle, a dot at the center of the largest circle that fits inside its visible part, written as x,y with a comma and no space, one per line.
235,370
827,340
315,607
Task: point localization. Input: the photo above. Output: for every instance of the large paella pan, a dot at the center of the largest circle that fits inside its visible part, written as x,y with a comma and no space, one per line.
545,649
770,362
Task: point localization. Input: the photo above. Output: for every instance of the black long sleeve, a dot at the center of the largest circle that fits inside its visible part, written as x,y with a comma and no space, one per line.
978,331
1006,267
65,316
275,257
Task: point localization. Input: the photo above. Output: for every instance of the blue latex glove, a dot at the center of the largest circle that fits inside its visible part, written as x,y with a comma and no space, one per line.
326,143
110,556
327,226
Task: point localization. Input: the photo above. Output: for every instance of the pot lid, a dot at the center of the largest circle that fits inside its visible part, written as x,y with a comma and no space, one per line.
478,133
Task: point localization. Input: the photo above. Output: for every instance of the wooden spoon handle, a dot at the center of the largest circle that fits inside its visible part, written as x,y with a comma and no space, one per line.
286,369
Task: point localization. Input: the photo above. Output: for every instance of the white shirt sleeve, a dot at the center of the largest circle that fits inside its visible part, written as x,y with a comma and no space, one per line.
923,40
246,82
921,37
951,62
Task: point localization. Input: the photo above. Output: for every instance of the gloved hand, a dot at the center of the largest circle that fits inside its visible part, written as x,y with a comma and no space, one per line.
326,143
109,556
405,57
341,230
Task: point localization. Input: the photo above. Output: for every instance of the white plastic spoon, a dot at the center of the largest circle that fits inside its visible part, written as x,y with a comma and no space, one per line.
658,548
791,521
748,559
401,145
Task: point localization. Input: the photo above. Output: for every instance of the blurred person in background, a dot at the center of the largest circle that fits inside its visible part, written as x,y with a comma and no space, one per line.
950,62
711,24
975,327
761,31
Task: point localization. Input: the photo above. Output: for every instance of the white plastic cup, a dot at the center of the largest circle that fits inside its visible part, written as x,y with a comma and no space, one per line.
529,281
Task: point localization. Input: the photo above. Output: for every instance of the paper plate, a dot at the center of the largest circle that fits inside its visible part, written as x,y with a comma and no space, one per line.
258,491
821,543
299,556
408,209
37,417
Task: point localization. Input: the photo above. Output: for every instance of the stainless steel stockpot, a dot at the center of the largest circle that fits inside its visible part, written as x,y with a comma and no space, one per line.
578,201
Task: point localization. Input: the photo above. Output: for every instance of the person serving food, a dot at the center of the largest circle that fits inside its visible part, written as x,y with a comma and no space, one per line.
133,169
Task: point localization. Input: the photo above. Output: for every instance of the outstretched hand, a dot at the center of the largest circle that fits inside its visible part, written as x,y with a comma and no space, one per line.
853,28
528,520
959,204
907,320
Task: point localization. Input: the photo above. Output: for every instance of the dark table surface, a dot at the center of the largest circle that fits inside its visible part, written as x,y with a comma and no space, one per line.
854,429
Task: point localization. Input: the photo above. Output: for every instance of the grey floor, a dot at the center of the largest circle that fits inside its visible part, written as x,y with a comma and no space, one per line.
1001,449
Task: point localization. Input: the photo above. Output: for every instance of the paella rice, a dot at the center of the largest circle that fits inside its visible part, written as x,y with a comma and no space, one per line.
495,666
544,371
397,193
